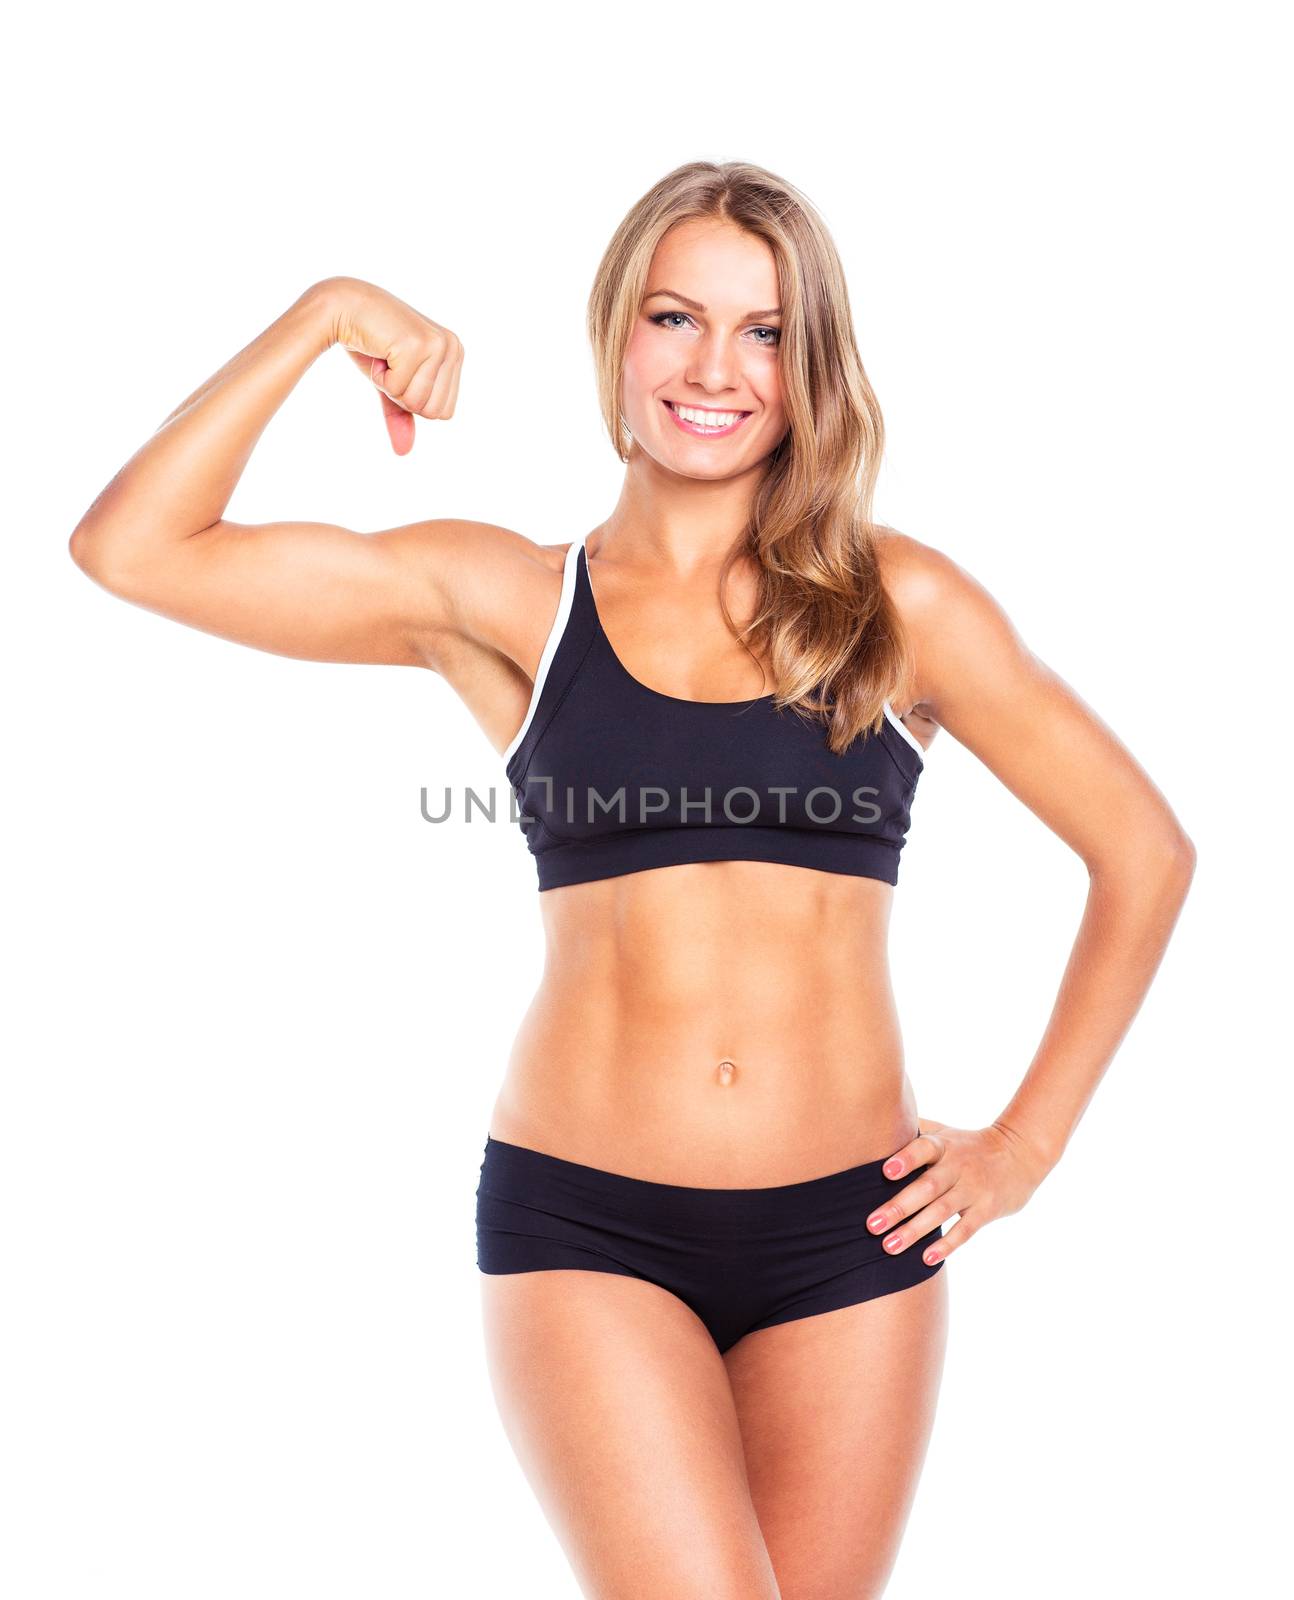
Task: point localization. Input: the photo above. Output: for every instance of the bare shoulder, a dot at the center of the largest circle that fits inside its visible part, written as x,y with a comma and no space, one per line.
917,576
980,681
484,583
947,613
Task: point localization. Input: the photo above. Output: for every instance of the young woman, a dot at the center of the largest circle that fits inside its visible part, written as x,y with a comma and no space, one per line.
710,1223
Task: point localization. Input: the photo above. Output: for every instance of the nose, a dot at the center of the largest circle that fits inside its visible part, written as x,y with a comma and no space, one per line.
714,366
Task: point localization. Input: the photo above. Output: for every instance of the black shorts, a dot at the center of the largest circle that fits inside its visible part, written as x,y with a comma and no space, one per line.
742,1259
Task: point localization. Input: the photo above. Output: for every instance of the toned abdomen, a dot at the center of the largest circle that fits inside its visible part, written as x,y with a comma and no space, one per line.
720,1024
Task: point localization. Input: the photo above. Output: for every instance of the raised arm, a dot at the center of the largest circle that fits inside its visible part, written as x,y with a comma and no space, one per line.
157,535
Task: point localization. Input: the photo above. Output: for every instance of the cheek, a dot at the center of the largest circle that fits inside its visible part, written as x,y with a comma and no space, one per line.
644,371
767,385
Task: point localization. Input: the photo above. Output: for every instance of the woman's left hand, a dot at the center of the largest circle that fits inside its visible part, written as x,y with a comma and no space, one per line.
980,1173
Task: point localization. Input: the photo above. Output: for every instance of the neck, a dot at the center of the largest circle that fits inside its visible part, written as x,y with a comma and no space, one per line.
685,525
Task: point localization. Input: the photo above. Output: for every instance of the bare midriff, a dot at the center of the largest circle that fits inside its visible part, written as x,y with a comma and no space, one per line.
726,1024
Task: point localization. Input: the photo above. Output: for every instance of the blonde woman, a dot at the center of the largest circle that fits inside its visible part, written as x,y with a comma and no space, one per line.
711,1227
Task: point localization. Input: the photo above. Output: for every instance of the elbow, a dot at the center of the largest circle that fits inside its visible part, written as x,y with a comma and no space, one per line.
1165,856
1176,861
93,552
1175,849
83,547
1184,856
78,547
1176,857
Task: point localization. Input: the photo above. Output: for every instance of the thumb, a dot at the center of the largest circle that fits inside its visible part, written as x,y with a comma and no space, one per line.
399,422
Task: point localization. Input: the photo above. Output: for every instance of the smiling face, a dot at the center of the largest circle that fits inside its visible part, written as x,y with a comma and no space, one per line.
702,388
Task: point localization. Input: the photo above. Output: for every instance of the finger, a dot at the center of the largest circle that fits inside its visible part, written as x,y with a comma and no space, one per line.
918,1229
399,428
399,423
362,360
453,389
377,376
953,1239
918,1152
920,1192
390,382
437,401
420,386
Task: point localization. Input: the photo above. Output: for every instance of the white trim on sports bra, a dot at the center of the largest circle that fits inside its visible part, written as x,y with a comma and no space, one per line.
550,646
912,740
555,638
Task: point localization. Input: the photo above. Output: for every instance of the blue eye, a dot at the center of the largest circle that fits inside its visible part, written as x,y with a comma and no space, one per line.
661,319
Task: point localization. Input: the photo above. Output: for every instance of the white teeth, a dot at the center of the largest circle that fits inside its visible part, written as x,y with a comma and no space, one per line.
706,419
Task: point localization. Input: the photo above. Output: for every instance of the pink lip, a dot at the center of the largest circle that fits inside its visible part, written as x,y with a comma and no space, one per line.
704,433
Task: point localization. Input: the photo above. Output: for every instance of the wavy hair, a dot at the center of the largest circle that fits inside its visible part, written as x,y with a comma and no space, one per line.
823,620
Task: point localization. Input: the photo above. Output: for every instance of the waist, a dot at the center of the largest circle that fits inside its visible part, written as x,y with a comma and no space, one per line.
745,1120
741,1095
654,980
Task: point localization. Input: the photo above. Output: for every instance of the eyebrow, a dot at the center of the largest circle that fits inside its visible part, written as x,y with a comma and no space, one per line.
695,305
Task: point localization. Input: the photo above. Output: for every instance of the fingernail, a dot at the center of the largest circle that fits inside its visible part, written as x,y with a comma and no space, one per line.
930,1257
891,1169
893,1242
877,1222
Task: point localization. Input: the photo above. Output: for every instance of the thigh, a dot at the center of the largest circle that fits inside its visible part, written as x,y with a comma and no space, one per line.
835,1412
617,1404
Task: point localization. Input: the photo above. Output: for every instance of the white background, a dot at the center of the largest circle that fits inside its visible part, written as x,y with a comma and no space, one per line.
258,1010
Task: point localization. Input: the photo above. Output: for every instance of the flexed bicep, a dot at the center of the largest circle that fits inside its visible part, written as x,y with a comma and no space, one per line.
157,535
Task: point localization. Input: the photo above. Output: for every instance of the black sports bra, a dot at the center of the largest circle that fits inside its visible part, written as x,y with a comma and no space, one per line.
612,777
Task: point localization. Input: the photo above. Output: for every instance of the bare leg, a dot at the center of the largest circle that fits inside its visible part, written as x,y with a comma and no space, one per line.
836,1412
617,1404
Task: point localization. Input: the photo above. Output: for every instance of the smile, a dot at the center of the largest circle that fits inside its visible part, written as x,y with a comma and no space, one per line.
705,424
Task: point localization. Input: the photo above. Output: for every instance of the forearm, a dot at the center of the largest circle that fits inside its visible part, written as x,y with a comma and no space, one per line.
182,479
1127,922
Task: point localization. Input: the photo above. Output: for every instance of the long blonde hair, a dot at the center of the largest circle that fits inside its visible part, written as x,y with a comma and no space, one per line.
822,620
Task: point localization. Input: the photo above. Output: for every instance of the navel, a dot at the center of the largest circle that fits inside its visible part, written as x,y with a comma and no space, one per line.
726,1072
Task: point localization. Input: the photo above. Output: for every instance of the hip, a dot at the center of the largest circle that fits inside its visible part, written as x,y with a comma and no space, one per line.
742,1258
